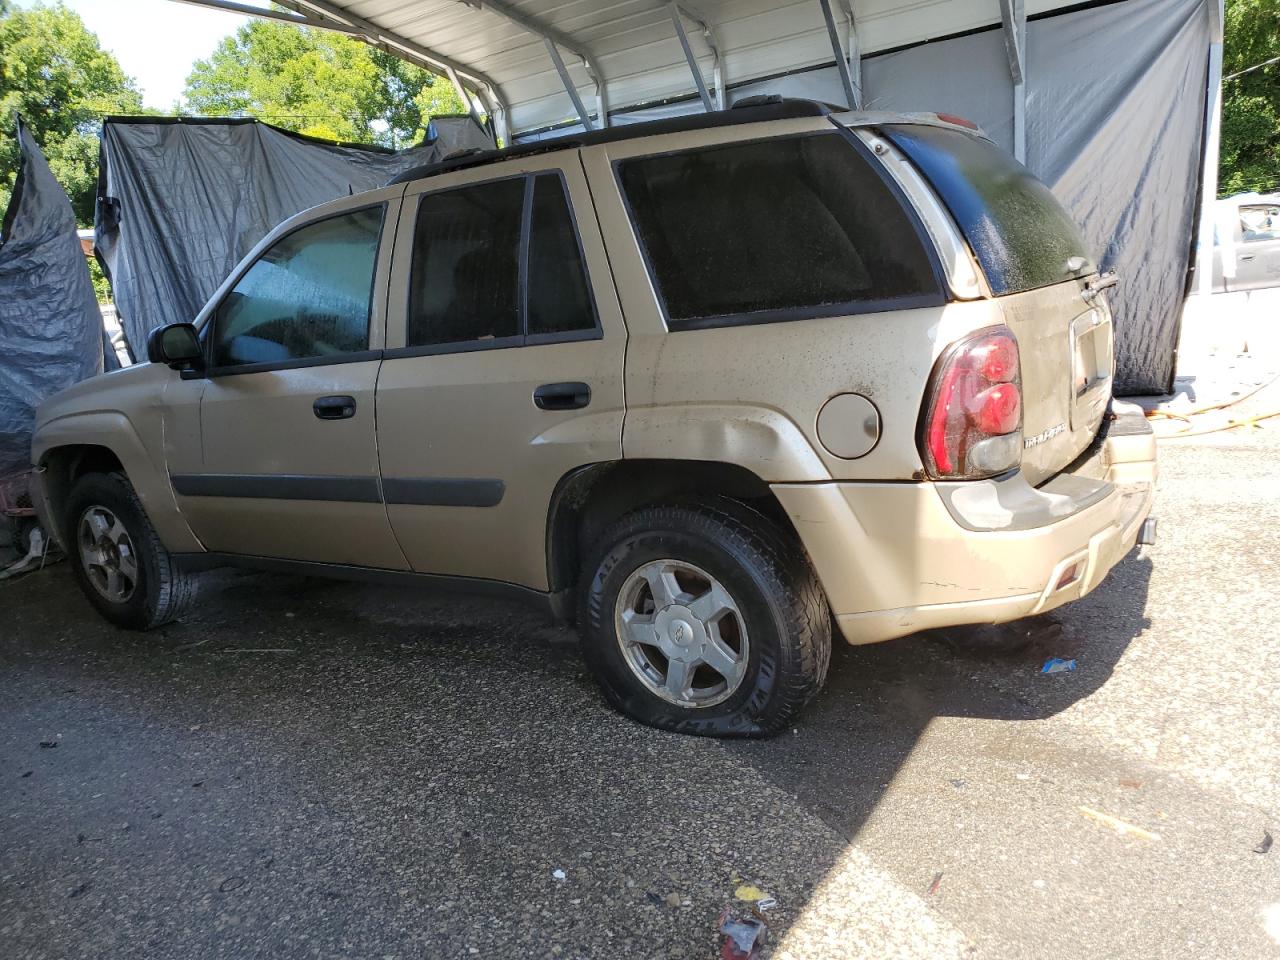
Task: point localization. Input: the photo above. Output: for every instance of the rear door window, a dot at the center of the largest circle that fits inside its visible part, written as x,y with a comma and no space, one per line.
559,302
498,264
465,280
776,229
1020,233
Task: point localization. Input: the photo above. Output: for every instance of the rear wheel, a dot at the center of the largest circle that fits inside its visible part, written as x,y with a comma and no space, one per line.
121,565
704,618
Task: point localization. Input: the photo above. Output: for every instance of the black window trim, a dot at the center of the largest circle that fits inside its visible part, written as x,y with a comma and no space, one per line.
937,298
207,334
523,338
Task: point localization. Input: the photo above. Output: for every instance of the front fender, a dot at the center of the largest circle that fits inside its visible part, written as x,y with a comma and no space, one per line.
112,430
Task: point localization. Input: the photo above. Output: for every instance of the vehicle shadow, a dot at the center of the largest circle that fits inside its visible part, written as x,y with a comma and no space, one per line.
425,775
880,699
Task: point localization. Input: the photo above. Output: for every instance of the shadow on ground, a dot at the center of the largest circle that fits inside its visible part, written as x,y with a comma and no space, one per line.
313,767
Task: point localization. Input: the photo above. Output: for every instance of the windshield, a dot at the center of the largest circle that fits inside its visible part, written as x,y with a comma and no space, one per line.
1018,230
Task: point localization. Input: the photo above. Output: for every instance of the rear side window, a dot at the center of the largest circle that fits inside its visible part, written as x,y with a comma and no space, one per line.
307,296
473,280
775,230
465,280
1020,233
558,297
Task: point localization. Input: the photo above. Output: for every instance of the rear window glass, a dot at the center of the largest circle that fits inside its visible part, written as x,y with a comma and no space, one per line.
754,232
1018,230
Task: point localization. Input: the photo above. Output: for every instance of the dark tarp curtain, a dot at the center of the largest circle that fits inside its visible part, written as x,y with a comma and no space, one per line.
180,202
1115,116
50,326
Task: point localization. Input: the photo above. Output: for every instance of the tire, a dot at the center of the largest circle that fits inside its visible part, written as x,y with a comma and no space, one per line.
159,590
776,623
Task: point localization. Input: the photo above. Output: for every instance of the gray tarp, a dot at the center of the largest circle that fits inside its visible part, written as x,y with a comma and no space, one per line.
50,327
181,202
1115,113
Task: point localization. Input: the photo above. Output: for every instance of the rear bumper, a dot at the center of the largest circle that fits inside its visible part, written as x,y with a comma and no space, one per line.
902,557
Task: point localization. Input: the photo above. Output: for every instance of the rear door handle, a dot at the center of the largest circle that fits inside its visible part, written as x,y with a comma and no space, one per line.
1246,256
335,408
562,396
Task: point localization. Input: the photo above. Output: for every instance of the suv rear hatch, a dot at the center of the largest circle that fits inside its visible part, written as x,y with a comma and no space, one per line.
1036,263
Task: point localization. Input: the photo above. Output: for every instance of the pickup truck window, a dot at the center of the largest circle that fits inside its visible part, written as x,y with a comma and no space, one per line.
307,296
775,230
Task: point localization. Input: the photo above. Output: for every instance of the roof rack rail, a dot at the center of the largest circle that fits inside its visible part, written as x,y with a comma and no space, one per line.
746,111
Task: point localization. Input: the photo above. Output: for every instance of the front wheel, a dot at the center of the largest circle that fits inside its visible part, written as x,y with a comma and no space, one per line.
704,618
119,561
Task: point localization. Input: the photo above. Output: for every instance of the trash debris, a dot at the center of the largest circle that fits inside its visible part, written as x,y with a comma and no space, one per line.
48,744
27,774
1118,825
1265,845
937,882
958,782
672,899
744,934
231,883
767,904
1130,783
750,893
557,874
1054,665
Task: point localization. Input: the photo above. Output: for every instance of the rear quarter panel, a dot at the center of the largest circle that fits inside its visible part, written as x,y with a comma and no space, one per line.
750,395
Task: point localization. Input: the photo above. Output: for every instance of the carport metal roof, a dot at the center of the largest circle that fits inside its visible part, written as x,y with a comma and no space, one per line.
533,64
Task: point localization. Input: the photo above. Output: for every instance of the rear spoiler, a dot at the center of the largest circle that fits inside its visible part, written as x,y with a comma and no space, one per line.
881,118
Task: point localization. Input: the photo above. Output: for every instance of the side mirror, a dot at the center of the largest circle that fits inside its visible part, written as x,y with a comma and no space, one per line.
178,345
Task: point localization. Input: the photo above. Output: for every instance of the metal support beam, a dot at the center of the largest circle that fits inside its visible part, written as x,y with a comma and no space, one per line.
853,53
1209,161
1013,15
568,83
299,19
546,31
698,82
406,49
841,64
464,94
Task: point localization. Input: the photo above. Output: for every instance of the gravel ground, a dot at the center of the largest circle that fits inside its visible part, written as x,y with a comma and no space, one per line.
315,769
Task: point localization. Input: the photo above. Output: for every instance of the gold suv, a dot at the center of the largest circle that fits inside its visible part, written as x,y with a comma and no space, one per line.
712,387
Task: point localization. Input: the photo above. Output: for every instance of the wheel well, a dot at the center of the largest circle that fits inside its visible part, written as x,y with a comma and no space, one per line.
590,498
65,465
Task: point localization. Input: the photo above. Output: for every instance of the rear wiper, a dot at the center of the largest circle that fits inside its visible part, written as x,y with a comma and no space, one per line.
1094,287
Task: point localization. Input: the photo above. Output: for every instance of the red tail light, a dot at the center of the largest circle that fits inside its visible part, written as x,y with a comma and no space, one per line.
972,426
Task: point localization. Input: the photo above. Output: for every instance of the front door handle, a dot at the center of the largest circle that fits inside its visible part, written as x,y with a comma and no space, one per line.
1246,256
562,396
335,408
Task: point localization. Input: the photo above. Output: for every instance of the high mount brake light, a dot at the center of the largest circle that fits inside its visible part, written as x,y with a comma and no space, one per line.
956,121
972,417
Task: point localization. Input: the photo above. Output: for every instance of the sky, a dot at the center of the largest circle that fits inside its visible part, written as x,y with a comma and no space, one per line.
156,41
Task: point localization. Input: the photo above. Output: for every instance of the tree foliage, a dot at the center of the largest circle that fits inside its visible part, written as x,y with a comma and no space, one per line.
1250,155
318,83
54,73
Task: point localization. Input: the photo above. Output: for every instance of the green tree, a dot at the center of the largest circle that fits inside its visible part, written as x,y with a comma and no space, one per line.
318,83
54,73
1250,155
